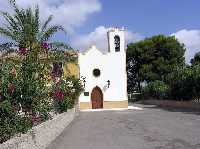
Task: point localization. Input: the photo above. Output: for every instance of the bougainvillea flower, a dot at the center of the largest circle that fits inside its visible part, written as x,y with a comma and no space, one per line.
59,95
11,88
45,45
57,80
23,51
35,119
13,72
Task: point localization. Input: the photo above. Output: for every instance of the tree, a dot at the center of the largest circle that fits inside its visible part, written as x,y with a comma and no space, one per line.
152,59
29,39
196,59
26,33
184,83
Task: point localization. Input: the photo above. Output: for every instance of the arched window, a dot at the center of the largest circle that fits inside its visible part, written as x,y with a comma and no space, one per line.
117,43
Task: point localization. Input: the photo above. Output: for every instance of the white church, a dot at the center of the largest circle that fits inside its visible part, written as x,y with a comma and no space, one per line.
104,74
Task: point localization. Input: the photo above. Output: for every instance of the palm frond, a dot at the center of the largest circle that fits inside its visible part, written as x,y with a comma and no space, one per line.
44,27
5,32
19,16
37,18
19,13
51,31
12,2
12,27
11,21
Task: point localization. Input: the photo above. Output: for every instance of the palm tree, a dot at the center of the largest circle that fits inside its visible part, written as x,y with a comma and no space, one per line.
26,33
31,39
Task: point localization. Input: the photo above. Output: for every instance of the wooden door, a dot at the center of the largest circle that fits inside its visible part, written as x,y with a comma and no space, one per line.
97,98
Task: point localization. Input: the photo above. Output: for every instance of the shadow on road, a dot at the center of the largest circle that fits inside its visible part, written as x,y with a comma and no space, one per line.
168,108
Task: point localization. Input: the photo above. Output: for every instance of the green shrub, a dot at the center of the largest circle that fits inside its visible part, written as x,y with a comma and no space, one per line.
156,89
11,123
74,87
9,126
185,83
65,104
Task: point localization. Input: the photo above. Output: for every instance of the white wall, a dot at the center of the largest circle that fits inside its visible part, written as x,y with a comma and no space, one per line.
112,66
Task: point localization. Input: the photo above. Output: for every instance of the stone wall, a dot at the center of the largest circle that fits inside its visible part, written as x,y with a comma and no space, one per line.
173,104
39,137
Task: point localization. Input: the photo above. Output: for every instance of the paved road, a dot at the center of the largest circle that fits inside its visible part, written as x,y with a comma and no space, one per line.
150,128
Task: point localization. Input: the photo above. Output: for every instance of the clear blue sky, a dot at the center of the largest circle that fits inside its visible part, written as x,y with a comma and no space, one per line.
148,17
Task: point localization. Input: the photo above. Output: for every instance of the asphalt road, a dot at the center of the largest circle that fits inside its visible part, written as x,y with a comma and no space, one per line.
150,128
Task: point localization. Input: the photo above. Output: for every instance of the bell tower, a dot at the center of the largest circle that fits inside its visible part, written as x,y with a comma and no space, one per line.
116,41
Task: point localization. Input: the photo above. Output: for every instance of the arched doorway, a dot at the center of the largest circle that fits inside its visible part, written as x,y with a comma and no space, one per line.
97,98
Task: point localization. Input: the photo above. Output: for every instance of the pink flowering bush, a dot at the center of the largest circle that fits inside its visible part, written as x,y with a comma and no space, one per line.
24,95
65,93
60,97
11,122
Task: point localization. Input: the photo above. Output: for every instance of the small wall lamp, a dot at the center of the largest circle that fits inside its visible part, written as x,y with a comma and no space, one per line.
84,80
108,83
